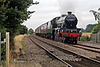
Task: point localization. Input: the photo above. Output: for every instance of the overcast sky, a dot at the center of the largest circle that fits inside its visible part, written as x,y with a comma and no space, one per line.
48,9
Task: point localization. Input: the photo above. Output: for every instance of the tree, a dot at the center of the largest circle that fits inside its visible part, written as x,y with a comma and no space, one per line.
23,29
97,17
96,14
90,27
3,17
13,13
30,31
17,13
3,11
96,28
82,30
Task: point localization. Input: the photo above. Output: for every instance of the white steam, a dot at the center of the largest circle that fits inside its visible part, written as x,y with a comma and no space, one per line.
70,5
67,5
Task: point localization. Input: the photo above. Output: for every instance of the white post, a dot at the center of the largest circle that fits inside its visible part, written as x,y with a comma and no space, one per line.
7,49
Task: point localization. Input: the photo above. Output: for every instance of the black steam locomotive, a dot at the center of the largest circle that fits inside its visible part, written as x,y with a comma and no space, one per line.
62,28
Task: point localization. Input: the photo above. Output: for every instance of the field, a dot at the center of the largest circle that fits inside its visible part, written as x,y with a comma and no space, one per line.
86,34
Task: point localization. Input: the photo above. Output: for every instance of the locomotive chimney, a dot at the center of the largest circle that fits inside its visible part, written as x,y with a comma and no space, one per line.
69,12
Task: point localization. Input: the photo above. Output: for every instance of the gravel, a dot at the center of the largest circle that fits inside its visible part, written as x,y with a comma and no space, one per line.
37,56
73,49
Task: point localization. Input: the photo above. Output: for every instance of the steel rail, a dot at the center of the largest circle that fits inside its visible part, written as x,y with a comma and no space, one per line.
65,50
89,46
50,53
86,48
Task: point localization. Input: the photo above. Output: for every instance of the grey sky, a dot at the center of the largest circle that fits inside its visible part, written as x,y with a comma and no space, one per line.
48,9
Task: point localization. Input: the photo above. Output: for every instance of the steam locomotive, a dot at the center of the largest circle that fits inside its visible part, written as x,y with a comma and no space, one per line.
62,28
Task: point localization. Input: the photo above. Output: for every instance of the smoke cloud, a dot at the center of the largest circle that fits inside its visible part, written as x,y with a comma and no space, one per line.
70,5
67,5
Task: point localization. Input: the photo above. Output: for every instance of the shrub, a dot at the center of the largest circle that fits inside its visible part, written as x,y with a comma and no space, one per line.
85,38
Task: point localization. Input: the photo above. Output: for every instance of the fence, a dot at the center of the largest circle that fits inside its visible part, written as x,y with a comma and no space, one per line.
95,38
7,48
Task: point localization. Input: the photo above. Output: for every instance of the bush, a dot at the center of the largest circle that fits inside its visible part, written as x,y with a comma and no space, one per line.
31,31
85,38
3,46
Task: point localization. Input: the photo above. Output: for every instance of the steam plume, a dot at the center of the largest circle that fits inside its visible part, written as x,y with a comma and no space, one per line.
67,5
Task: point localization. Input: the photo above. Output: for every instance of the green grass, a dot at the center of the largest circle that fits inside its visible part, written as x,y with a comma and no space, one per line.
3,64
88,55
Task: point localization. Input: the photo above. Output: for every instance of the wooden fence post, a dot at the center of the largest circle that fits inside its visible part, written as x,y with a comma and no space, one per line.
7,49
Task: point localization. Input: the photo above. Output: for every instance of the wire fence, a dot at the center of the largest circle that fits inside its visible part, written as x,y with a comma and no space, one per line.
4,49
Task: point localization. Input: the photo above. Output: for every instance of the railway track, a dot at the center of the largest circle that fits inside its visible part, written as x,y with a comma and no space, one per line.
49,52
89,48
86,44
84,62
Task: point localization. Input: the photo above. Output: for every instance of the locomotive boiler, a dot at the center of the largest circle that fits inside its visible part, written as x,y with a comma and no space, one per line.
62,28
